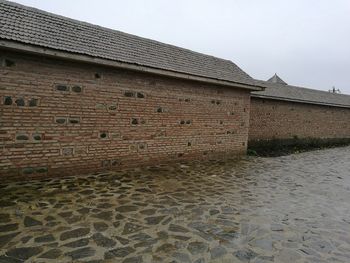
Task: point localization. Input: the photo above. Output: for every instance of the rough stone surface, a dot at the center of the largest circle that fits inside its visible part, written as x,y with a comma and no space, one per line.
81,253
126,208
122,240
217,252
182,257
251,210
79,232
263,243
119,252
24,253
105,215
100,226
103,241
8,227
131,228
29,221
154,220
77,243
5,259
287,255
177,228
137,259
4,239
45,239
5,218
51,254
245,255
197,247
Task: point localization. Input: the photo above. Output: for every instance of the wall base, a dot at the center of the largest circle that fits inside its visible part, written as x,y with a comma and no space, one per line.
279,147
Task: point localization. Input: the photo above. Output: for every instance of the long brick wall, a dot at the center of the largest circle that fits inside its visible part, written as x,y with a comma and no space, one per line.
276,119
60,118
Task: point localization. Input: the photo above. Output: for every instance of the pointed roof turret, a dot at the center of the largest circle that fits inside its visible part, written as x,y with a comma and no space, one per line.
276,79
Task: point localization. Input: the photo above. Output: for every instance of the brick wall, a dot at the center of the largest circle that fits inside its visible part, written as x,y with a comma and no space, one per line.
284,120
60,118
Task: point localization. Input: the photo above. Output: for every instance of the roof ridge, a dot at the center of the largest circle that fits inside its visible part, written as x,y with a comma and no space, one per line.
324,91
305,88
301,94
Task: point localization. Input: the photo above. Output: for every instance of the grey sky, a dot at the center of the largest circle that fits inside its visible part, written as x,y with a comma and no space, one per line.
306,42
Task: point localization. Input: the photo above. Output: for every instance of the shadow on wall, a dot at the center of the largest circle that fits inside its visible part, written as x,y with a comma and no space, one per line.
280,147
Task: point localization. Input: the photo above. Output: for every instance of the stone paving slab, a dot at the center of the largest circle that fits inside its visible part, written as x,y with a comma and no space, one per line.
288,209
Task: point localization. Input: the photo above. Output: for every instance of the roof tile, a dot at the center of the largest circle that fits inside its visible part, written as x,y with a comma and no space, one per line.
280,91
36,27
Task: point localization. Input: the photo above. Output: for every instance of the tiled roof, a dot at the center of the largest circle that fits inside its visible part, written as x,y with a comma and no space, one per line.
280,91
276,79
39,28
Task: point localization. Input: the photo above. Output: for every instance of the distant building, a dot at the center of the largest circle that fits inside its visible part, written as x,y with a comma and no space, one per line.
284,111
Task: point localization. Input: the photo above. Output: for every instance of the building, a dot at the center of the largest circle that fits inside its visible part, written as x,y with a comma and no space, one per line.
286,112
78,98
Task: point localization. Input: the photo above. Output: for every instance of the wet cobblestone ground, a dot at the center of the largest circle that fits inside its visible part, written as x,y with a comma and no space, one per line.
287,209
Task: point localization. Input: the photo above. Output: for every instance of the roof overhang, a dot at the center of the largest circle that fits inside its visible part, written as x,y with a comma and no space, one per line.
254,95
28,48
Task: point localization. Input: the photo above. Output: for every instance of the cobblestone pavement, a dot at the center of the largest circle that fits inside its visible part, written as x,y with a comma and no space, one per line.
288,209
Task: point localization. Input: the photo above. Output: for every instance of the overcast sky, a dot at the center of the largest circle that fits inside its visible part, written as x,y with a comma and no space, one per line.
306,42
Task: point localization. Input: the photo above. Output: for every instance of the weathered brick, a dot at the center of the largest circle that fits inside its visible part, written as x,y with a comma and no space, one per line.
277,119
89,122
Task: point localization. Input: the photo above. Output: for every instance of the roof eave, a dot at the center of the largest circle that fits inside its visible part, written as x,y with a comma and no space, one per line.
253,95
28,48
